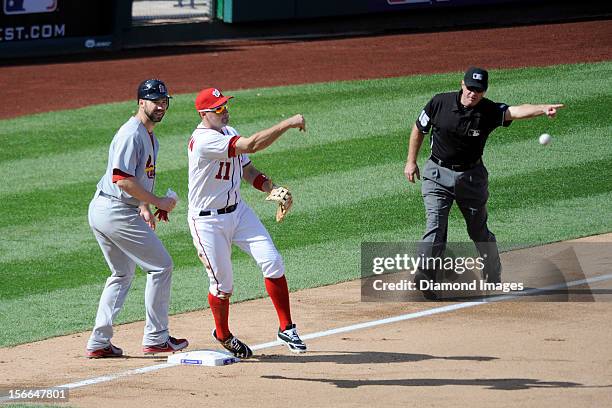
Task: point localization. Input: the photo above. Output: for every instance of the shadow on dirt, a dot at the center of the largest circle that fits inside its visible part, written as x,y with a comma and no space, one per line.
366,357
506,384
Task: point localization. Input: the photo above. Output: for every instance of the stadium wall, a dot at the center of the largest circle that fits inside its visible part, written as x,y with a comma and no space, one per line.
36,28
47,27
237,11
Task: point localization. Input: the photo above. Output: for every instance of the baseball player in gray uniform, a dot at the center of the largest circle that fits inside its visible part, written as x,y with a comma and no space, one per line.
123,225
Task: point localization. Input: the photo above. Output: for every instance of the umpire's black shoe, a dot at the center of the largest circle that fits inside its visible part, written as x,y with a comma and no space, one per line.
290,337
423,276
492,274
234,346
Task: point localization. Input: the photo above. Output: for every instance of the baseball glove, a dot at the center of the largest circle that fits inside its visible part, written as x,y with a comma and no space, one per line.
282,197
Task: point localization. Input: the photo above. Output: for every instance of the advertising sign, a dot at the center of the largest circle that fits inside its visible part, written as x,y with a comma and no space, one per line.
29,6
31,21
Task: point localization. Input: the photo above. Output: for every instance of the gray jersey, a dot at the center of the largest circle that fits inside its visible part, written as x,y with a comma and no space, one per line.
133,151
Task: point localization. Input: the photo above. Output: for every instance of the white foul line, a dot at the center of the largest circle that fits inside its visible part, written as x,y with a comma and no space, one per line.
359,326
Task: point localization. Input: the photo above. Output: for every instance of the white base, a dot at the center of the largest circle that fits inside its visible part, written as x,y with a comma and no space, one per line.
203,358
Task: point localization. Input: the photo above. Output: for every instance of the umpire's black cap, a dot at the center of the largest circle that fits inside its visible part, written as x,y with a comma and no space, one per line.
476,78
152,89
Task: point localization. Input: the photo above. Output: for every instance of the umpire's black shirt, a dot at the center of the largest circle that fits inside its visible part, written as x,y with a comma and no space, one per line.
458,133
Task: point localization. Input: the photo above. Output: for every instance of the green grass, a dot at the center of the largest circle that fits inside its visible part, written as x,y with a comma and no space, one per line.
346,174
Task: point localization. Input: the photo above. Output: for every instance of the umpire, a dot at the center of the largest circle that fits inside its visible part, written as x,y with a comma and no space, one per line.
460,123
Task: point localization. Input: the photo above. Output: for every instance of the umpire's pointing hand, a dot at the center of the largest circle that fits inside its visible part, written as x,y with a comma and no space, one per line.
551,110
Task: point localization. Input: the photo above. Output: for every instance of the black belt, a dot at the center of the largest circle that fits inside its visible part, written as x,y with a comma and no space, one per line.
456,167
103,194
225,210
112,197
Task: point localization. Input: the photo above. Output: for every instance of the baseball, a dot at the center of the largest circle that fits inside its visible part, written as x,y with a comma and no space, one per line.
172,194
545,139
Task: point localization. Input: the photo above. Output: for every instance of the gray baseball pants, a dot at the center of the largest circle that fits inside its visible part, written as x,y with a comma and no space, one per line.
126,241
470,189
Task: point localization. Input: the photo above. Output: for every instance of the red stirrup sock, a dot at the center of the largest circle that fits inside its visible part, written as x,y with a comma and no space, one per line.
220,311
279,293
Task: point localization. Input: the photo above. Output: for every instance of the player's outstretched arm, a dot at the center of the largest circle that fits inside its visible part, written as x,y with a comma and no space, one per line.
265,138
527,111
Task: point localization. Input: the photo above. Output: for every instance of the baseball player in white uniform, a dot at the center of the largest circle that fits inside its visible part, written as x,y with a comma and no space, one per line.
219,218
123,224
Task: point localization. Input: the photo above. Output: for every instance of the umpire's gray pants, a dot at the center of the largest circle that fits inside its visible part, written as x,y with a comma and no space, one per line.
126,241
470,189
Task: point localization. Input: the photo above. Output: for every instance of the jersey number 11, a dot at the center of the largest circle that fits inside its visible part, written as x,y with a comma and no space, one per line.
220,174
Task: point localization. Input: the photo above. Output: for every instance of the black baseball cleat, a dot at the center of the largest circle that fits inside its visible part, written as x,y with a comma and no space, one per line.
290,337
234,346
492,274
427,293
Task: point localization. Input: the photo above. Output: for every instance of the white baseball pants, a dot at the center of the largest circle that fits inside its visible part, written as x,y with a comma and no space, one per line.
213,236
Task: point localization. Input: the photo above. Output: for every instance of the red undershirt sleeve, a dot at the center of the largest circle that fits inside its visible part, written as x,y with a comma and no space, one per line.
231,152
120,175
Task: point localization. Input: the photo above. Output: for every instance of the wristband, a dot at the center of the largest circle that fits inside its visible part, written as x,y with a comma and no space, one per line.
259,182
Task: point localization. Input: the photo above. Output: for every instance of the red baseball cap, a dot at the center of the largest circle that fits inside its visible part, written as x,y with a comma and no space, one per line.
210,98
